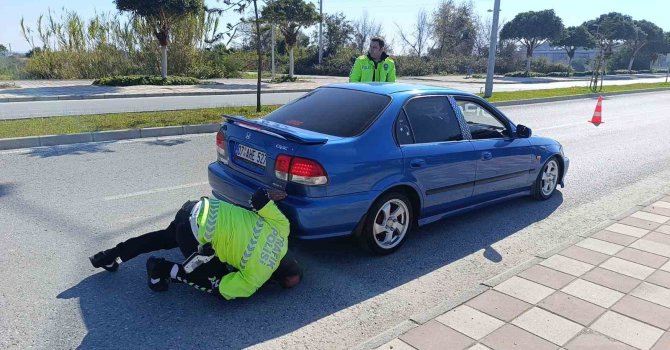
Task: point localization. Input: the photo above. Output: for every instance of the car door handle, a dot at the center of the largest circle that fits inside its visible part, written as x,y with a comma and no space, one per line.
487,156
417,163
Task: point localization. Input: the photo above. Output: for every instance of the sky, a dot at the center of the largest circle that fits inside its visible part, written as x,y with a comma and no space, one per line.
387,12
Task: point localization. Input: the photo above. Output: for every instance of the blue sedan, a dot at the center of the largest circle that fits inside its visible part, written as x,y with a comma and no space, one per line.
376,160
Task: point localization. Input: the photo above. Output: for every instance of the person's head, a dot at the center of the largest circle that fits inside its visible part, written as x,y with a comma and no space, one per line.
376,48
289,273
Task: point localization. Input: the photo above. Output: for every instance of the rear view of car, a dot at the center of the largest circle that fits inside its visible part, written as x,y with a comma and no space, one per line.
305,148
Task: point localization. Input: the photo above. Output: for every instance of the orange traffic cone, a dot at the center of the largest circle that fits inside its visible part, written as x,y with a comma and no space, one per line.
598,113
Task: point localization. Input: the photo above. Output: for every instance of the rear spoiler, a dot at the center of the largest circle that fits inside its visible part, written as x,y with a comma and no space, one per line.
276,130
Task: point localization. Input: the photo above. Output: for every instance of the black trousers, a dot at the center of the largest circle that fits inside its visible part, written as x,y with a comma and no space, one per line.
179,235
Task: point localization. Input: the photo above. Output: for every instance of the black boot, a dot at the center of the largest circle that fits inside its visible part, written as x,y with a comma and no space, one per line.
158,274
107,259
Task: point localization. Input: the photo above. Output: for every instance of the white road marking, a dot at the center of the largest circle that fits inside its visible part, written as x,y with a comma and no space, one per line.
157,190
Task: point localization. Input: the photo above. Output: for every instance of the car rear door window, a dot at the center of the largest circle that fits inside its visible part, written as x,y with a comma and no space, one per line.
403,133
433,120
332,111
482,124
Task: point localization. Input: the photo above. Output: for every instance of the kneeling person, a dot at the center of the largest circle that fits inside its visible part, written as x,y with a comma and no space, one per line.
250,248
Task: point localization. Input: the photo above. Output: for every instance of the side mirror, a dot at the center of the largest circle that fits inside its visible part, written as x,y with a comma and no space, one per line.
523,131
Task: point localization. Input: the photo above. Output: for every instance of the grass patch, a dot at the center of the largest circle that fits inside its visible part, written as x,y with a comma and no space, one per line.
119,121
571,91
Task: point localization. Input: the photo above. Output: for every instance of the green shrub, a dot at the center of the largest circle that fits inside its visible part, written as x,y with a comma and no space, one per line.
582,74
412,66
524,74
131,80
542,65
623,71
644,71
558,74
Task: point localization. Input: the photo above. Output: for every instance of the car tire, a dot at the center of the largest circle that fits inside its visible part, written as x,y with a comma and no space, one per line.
547,180
387,223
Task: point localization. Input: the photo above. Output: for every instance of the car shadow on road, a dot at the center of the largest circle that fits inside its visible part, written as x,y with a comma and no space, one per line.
120,311
166,143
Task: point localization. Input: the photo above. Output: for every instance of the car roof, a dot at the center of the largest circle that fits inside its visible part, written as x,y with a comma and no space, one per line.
392,88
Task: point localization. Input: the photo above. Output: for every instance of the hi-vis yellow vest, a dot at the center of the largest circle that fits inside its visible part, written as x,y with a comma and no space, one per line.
253,243
365,70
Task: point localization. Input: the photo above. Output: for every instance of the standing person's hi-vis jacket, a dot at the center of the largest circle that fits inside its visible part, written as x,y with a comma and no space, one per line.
366,70
252,242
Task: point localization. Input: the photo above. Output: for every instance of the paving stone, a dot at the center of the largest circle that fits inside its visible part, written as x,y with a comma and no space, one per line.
637,334
652,247
471,322
593,293
590,340
396,344
642,257
641,223
661,278
479,347
612,280
651,292
572,308
627,268
554,328
510,337
567,265
645,311
661,219
499,305
600,246
435,335
546,276
585,255
627,230
666,267
614,237
663,343
658,208
523,289
658,237
663,229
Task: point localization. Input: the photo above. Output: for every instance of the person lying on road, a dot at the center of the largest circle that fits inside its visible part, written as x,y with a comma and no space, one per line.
230,251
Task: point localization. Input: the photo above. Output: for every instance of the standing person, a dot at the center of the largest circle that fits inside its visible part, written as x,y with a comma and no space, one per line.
231,251
376,66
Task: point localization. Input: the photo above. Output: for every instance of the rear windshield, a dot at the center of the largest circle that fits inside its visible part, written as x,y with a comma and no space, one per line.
332,111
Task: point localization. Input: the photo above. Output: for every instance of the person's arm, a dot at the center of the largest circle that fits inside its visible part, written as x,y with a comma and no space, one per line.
263,201
236,285
390,77
355,75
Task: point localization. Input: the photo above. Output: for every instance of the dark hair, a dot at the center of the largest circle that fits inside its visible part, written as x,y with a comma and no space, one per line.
379,41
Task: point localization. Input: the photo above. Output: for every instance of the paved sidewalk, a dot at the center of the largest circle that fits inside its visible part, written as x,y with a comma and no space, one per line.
608,290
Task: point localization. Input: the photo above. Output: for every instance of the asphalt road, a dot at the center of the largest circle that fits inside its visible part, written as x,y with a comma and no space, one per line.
61,204
21,110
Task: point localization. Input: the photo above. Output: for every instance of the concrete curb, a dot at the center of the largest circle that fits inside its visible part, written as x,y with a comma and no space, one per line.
140,95
100,136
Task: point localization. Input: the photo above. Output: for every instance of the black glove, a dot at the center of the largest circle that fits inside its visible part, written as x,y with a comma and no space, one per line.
259,199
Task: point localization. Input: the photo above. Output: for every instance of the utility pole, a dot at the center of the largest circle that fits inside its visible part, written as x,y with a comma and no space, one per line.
321,31
273,51
488,88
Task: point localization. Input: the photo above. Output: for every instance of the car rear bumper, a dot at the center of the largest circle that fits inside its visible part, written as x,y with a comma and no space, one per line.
310,217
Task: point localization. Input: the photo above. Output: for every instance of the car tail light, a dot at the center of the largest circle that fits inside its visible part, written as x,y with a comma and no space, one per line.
300,170
221,147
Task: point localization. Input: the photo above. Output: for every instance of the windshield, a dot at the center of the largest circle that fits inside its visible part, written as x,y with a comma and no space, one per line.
332,111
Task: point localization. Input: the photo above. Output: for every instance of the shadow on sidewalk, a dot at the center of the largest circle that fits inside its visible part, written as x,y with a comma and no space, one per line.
120,311
74,90
71,150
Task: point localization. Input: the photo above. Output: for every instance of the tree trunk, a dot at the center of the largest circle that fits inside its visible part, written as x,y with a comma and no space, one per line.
528,63
164,61
290,63
632,59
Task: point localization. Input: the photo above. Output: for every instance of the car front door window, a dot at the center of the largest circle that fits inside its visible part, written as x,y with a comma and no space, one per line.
482,124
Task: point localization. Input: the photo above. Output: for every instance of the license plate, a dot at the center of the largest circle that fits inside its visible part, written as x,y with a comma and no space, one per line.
253,155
